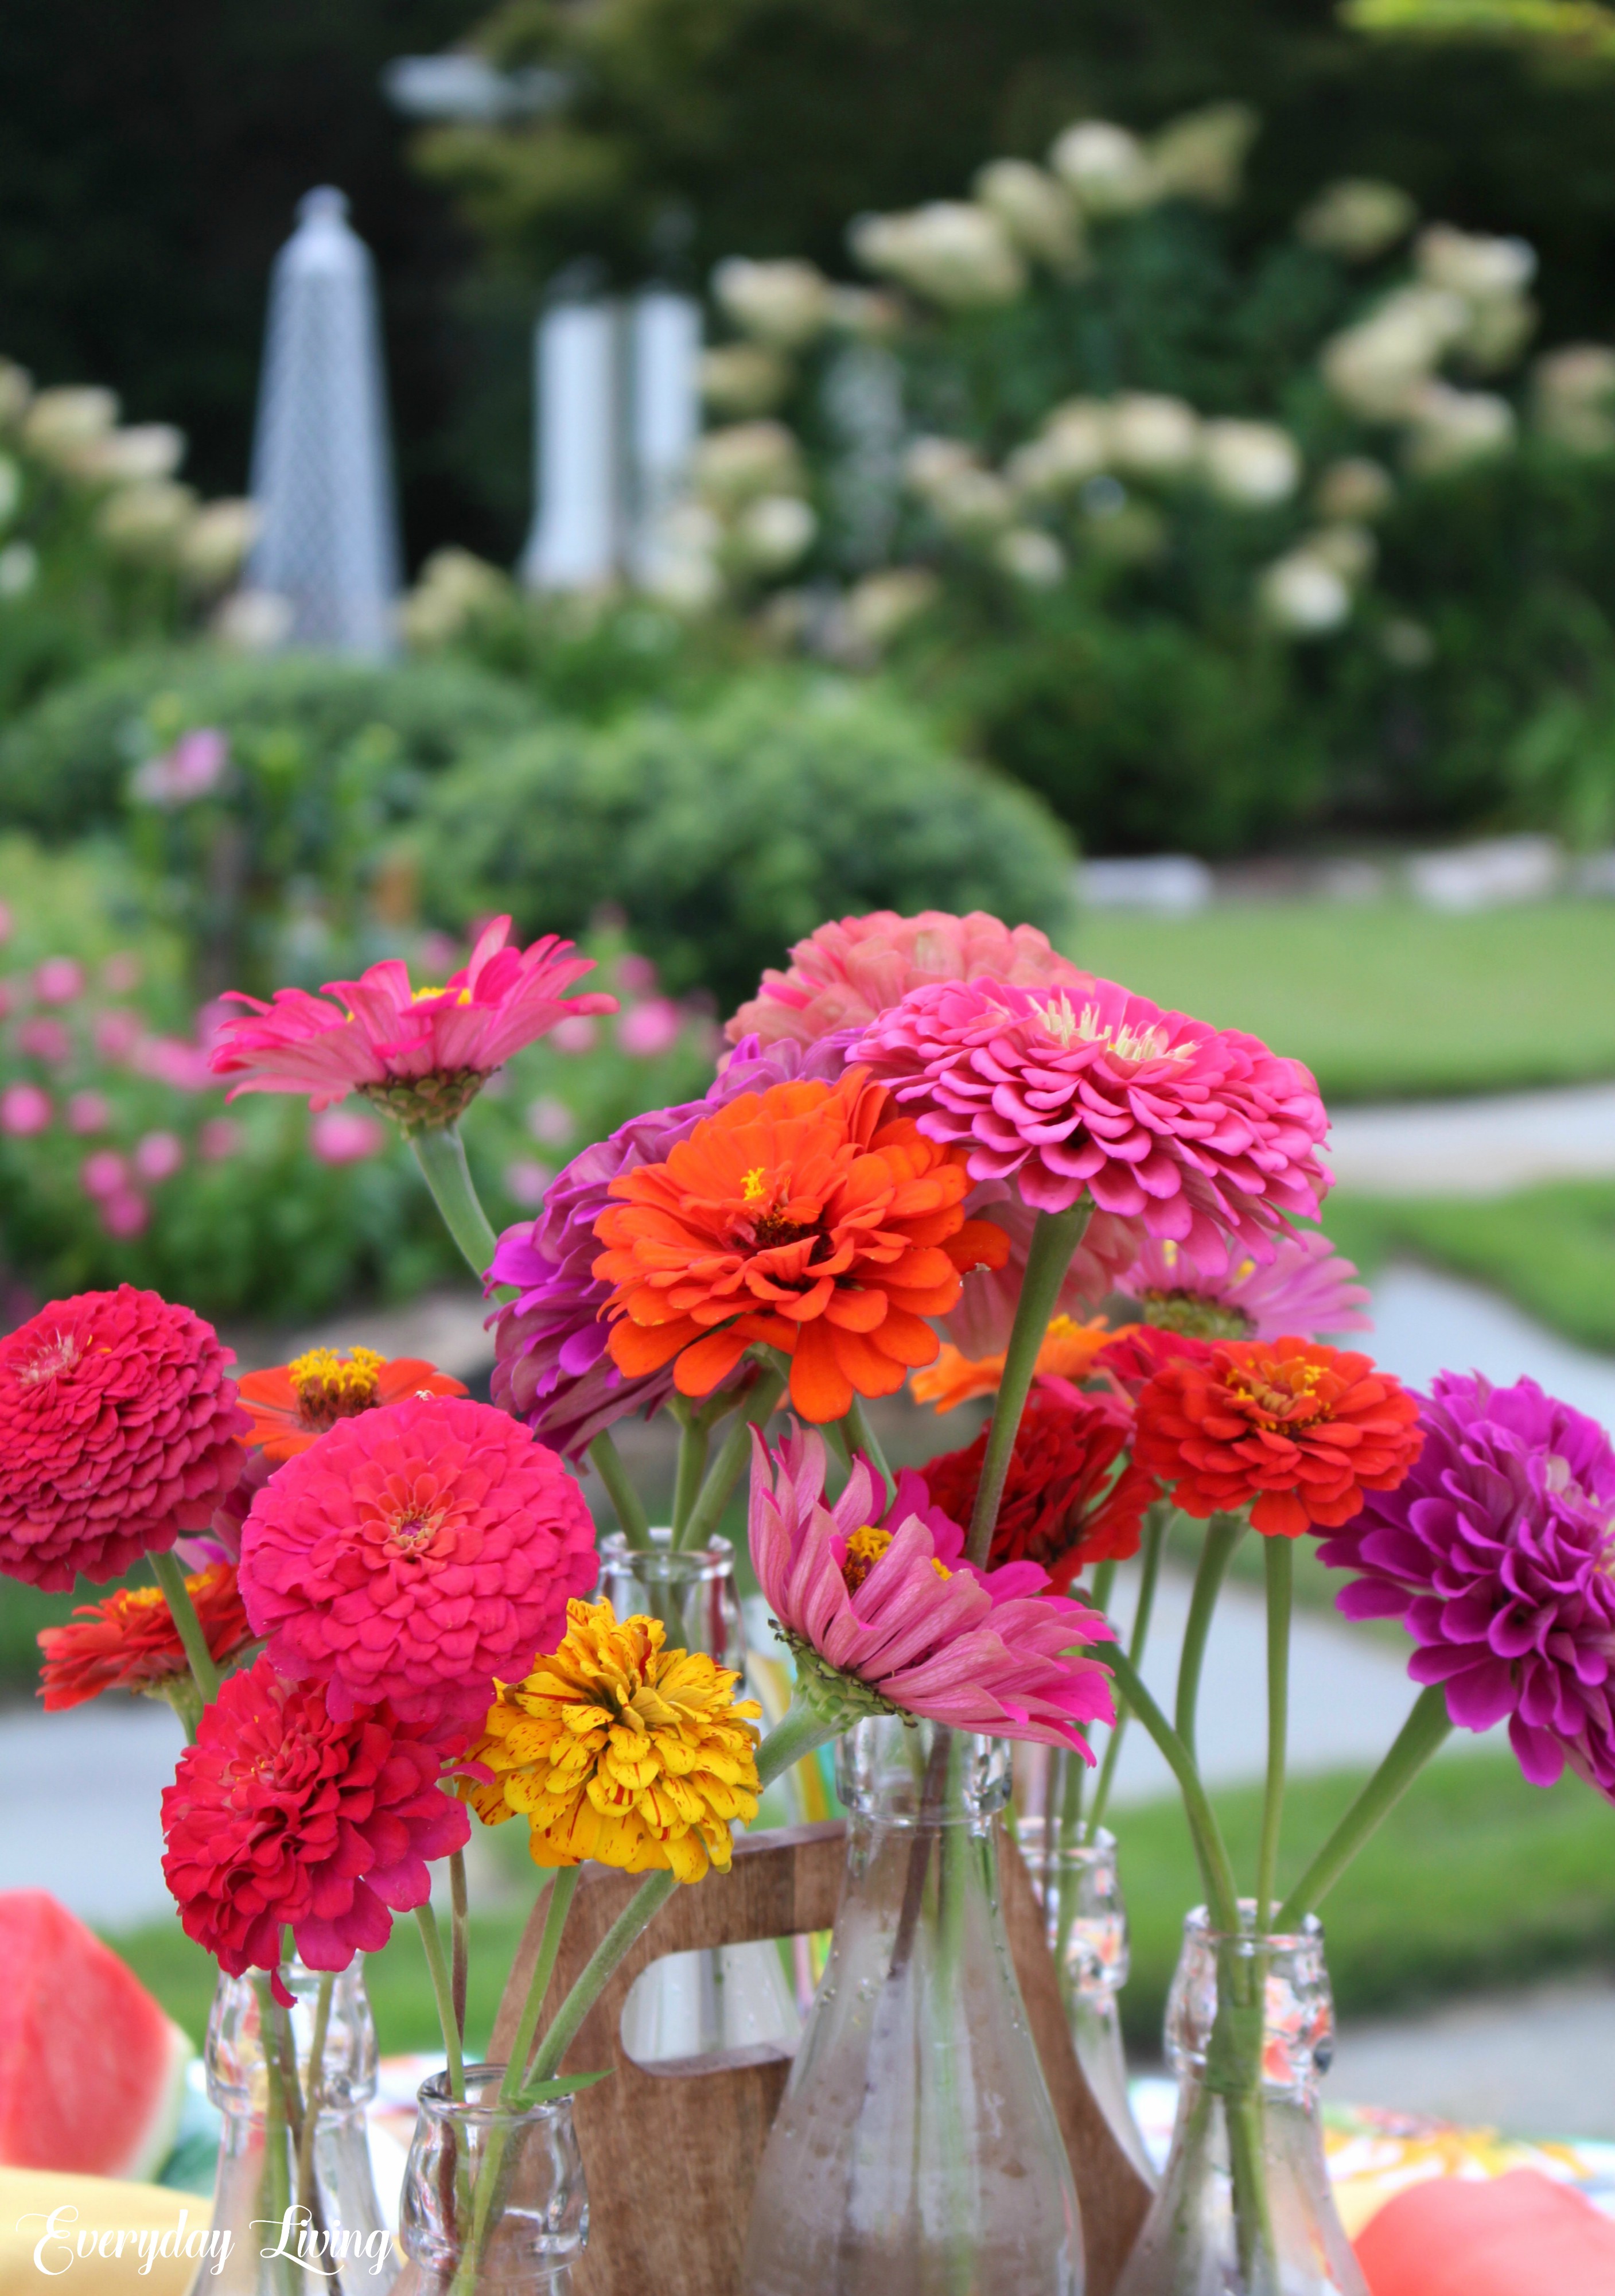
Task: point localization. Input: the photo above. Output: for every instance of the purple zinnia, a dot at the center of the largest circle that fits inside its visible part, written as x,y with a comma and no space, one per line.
1498,1555
551,1368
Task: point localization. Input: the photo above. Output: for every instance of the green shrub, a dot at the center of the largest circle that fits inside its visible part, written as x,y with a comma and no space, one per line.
726,835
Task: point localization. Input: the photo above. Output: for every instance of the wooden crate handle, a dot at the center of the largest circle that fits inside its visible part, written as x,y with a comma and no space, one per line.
671,2177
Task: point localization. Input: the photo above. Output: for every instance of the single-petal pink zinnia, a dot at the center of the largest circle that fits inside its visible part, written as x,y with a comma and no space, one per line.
888,1616
421,1054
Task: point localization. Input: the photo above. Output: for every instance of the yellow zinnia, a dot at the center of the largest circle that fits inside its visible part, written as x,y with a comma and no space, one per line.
619,1749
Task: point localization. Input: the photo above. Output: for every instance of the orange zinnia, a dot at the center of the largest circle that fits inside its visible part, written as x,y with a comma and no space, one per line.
1292,1429
130,1642
1068,1352
293,1404
805,1216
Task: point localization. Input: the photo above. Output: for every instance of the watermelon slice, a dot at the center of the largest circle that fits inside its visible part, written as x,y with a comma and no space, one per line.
92,2070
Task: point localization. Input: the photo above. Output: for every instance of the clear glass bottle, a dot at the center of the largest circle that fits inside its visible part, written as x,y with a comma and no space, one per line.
493,2201
294,2191
1085,1922
1244,2207
729,1998
916,2152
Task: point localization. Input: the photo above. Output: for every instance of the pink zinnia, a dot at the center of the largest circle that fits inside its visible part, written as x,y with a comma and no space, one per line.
280,1814
119,1430
1201,1133
414,1554
982,1323
888,1617
844,974
422,1055
1306,1291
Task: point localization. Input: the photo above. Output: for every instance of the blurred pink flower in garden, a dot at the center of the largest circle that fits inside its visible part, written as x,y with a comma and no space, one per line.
24,1110
88,1111
45,1038
121,972
550,1121
220,1138
124,1216
117,1031
636,975
104,1174
158,1156
645,1032
58,980
346,1136
526,1180
574,1035
172,1061
437,955
192,768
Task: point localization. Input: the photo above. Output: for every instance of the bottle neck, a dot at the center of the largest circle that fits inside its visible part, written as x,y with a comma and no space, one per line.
913,1777
493,2201
1251,2015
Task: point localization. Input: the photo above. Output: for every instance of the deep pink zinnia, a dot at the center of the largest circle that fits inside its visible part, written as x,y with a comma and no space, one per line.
845,974
1497,1554
1201,1133
422,1055
887,1615
281,1815
1306,1291
414,1554
119,1430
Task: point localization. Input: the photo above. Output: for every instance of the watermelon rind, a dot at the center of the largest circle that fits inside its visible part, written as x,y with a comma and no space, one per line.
147,2156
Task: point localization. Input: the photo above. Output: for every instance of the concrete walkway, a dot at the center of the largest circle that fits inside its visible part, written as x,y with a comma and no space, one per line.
1482,1147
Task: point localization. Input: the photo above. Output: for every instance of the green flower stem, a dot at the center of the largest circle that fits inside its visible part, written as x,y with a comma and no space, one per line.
1156,1520
605,1456
1279,1560
440,1153
1421,1735
1223,1535
1054,1239
1222,1897
798,1733
443,1991
562,1889
275,2188
732,1457
1071,1767
459,1938
694,1440
182,1610
861,1437
316,2091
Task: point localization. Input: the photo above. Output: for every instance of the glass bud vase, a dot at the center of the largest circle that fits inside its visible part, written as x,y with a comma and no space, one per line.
726,1997
293,2189
1086,1922
1244,2207
494,2198
916,2152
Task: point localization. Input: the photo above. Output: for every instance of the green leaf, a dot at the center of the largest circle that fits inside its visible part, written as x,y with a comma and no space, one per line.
545,2092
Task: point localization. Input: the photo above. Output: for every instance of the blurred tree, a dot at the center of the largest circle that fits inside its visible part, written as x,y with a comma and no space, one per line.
152,153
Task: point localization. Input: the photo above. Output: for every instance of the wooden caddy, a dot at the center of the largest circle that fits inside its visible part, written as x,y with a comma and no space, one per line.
671,2185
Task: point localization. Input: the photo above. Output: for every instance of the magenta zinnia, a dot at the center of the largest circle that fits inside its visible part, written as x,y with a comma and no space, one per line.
421,1054
885,1616
1497,1554
119,1430
414,1554
1201,1133
1306,1291
281,1816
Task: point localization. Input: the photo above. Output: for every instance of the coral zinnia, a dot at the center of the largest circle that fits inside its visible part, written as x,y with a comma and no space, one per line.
421,1054
1132,1356
280,1814
808,1217
1068,1352
553,1369
413,1554
1307,1289
843,974
1071,1498
619,1749
130,1640
1498,1555
118,1428
1201,1133
888,1618
1300,1428
294,1404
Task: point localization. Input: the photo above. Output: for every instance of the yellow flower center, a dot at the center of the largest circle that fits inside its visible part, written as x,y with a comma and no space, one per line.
59,1353
331,1387
1067,1026
422,995
866,1548
754,1186
1287,1397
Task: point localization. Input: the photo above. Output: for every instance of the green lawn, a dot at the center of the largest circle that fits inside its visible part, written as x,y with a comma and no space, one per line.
1476,1880
1385,1000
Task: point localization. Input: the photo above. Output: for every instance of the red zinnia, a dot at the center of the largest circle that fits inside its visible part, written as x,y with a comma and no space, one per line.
279,1814
1137,1351
294,1404
119,1430
1300,1428
1070,1499
130,1640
